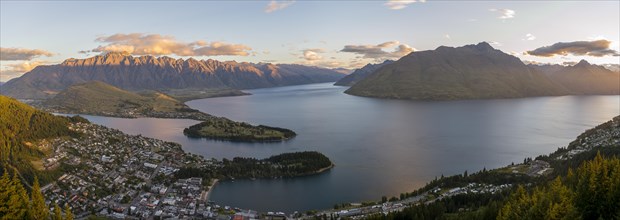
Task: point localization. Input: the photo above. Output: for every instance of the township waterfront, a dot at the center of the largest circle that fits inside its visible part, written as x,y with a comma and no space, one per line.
380,147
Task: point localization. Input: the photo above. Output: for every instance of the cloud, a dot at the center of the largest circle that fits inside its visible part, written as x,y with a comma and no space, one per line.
155,44
400,4
377,52
324,63
14,70
504,13
277,5
612,67
597,48
12,53
494,43
312,54
447,36
569,63
530,37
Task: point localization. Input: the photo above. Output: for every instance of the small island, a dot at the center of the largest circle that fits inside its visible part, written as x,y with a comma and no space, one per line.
284,165
225,129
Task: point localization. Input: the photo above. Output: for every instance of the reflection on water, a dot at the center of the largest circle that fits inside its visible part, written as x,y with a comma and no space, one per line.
380,147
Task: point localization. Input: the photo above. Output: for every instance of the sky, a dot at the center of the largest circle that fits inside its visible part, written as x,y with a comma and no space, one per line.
333,34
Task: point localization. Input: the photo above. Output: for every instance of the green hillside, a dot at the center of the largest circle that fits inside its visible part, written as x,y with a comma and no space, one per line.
99,98
22,127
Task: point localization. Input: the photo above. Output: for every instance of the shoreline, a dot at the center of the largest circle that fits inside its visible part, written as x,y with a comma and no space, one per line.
208,193
325,169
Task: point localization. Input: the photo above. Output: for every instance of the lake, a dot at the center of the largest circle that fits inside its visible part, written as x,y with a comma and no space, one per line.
380,147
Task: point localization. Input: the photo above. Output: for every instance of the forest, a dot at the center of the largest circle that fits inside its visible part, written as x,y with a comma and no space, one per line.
225,129
16,204
21,126
282,165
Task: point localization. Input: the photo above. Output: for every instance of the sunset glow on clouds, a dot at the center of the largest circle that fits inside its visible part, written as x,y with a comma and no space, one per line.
597,48
321,33
155,44
22,53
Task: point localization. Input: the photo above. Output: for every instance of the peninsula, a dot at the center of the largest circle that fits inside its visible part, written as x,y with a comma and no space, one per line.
99,98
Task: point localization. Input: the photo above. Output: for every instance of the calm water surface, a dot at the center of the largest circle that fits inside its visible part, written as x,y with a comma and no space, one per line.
380,147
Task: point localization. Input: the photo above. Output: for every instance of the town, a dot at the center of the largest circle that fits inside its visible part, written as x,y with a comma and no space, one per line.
121,176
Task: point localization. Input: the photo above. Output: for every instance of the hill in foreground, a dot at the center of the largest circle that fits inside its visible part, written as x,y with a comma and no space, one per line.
22,129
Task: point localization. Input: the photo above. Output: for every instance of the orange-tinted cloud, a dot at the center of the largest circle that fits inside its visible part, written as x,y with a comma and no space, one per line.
13,70
312,54
597,48
22,53
155,44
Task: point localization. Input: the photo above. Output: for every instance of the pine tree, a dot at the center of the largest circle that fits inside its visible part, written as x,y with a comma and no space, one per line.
57,212
38,209
16,204
68,213
4,193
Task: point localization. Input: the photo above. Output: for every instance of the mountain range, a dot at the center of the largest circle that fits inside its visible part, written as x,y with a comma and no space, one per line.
584,78
480,72
161,73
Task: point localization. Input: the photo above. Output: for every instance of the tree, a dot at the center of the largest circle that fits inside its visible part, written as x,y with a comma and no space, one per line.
592,192
16,206
38,209
57,212
5,193
68,213
598,188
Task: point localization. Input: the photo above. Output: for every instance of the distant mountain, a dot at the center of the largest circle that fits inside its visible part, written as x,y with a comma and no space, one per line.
447,73
361,73
161,73
586,79
546,68
343,70
612,67
99,98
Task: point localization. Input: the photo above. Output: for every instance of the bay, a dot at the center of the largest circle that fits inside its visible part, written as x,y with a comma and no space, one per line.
380,147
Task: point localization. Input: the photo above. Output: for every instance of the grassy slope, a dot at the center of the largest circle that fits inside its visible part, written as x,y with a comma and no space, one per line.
98,97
